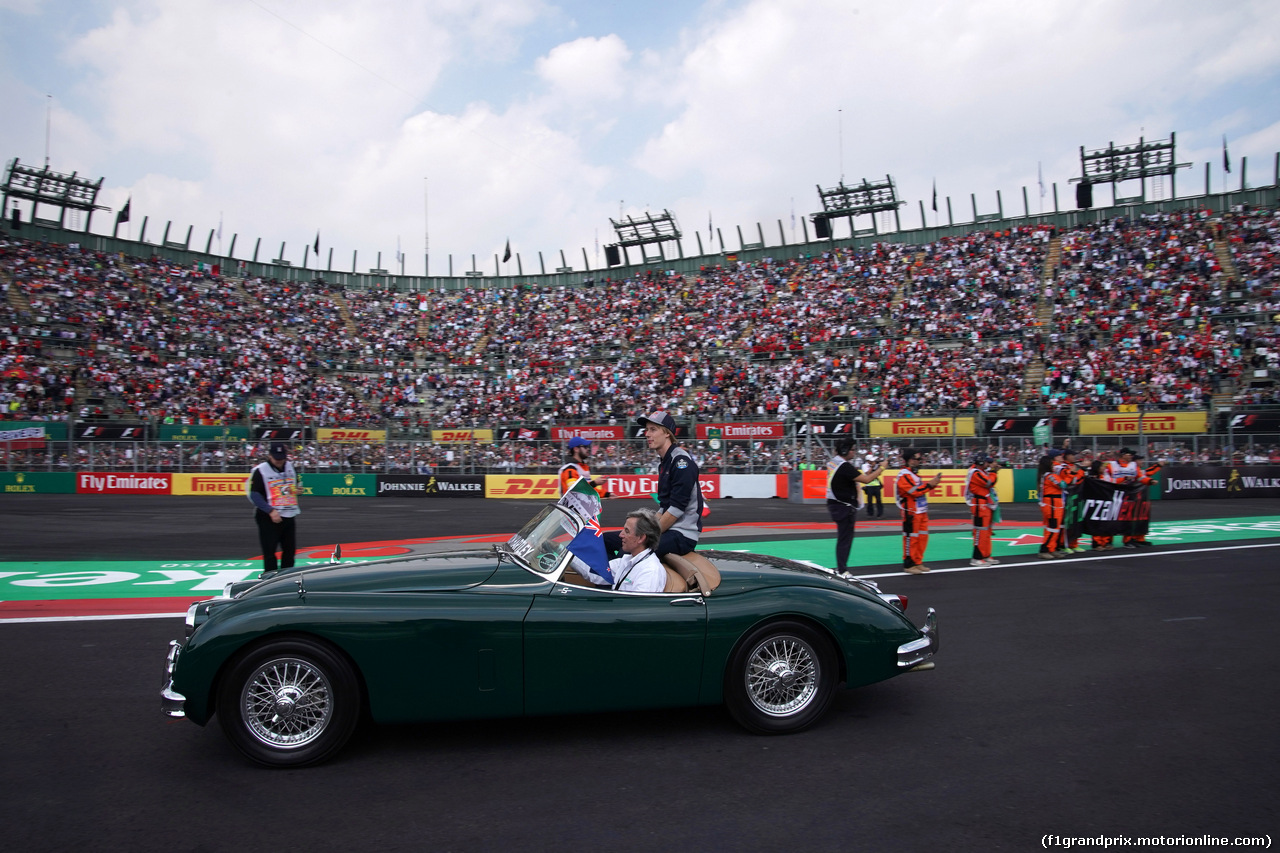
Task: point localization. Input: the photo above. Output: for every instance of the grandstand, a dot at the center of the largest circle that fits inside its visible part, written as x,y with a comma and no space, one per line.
1168,305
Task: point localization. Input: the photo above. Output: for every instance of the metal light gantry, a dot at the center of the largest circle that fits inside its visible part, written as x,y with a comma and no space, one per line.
846,202
643,231
44,186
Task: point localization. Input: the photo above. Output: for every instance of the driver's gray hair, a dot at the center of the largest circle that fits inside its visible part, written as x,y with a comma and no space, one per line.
647,527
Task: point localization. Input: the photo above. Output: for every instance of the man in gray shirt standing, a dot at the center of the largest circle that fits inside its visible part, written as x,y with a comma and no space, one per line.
272,488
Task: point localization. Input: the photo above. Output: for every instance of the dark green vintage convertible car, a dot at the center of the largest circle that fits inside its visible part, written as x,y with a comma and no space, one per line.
290,664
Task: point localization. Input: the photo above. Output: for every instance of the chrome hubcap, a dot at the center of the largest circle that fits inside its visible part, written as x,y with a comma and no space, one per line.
286,703
782,675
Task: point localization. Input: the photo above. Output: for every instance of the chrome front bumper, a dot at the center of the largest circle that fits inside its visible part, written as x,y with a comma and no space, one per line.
916,652
170,702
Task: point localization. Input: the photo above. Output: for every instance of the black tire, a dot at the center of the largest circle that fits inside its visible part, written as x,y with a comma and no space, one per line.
289,702
781,678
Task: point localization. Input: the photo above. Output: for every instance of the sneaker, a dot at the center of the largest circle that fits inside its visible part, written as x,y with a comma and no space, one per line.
922,567
991,561
977,562
1047,555
1131,545
1077,550
1145,544
266,576
1063,552
915,570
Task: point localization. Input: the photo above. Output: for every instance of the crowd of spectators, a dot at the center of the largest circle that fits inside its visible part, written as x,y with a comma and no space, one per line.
1142,312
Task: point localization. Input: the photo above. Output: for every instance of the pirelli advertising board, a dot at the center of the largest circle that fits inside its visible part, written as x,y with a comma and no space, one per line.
462,436
224,485
351,436
907,428
1149,423
949,491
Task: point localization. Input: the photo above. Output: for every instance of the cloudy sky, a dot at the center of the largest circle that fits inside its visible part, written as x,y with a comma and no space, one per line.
472,123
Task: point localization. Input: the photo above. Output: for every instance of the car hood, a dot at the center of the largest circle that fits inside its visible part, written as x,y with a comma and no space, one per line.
433,573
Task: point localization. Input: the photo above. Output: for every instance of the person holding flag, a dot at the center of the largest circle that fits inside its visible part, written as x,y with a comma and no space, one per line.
1071,475
638,569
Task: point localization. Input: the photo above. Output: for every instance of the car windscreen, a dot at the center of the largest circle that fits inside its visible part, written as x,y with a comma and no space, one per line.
541,544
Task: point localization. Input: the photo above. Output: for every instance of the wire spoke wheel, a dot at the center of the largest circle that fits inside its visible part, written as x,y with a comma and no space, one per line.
782,675
286,703
289,702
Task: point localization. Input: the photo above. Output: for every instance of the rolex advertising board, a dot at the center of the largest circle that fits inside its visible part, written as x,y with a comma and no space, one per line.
37,483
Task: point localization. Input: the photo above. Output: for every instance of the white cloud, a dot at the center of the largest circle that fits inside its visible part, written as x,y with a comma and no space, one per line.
291,116
587,69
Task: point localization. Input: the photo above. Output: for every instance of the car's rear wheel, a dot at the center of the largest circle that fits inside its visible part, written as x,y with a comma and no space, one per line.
781,678
289,702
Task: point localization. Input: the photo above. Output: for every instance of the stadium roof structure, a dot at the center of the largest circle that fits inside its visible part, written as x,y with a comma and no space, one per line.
1138,161
645,231
842,201
45,186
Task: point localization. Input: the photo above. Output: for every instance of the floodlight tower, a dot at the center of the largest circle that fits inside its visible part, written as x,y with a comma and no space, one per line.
1115,163
44,186
644,231
843,202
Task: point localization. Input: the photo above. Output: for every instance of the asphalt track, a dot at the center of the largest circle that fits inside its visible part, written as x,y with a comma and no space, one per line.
1129,694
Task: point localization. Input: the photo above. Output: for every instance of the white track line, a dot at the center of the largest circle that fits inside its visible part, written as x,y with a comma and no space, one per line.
1079,558
895,574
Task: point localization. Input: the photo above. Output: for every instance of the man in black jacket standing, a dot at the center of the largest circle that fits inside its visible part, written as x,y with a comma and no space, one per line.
842,497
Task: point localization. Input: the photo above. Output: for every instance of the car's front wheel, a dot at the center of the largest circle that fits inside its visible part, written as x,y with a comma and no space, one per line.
289,702
781,678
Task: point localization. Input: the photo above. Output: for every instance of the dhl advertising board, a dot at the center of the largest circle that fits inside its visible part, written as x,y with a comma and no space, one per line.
541,487
908,428
1150,423
462,436
949,491
351,436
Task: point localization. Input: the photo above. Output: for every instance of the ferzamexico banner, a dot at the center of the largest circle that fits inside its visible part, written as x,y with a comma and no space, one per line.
1108,509
921,427
1145,423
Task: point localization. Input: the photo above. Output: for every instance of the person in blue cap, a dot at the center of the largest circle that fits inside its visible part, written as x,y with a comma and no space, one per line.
576,468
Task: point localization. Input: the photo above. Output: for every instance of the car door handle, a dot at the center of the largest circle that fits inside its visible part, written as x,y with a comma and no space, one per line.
697,599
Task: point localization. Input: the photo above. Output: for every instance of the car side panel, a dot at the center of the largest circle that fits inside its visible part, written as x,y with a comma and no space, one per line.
599,650
867,633
422,656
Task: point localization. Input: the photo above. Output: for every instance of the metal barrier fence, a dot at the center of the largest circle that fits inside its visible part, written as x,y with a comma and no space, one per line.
626,456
